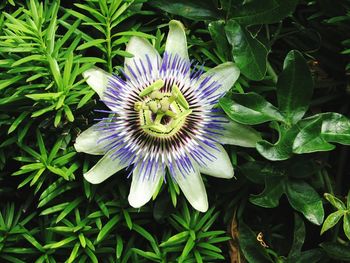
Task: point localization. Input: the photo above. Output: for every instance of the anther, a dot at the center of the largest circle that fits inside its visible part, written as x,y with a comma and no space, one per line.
157,85
179,97
156,95
164,104
153,106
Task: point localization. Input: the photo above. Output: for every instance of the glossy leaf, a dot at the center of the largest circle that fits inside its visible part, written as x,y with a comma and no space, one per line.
294,87
249,54
303,198
196,10
336,202
336,128
217,33
309,139
282,149
269,198
250,108
298,239
263,12
331,220
346,224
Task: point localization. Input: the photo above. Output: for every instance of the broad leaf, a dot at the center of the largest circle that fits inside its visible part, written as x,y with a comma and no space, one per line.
274,188
309,140
331,220
294,87
196,10
217,33
250,108
306,200
282,149
336,128
248,52
263,12
336,251
298,239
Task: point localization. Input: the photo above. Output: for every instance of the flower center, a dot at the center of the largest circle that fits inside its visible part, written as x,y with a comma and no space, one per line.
162,114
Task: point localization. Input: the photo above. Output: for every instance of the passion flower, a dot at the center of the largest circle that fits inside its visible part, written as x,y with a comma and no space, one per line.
161,120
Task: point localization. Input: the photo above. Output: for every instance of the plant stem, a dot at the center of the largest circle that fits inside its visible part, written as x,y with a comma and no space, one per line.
109,47
327,182
272,72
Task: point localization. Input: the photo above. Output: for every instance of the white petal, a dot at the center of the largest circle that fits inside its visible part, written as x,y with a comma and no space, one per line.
105,168
97,79
88,141
225,74
176,42
193,188
238,134
220,166
142,189
140,47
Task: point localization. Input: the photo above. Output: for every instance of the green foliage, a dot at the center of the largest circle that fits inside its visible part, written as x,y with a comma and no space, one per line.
294,89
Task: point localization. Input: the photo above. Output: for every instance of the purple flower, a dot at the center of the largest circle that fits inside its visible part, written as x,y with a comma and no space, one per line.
162,120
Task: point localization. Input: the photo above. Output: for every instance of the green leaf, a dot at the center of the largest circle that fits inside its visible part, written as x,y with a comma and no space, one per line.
263,12
127,219
294,87
196,10
44,96
283,148
303,198
336,251
69,208
28,59
251,249
248,52
95,42
17,122
250,108
107,228
176,239
187,249
146,254
119,248
60,243
73,255
336,128
55,70
274,188
337,203
144,233
309,139
346,224
9,81
217,33
331,220
298,239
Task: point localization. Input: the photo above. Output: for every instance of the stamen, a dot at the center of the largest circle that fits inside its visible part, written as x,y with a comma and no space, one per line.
157,85
179,97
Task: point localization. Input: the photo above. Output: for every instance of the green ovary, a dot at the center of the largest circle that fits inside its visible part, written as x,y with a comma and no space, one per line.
162,114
